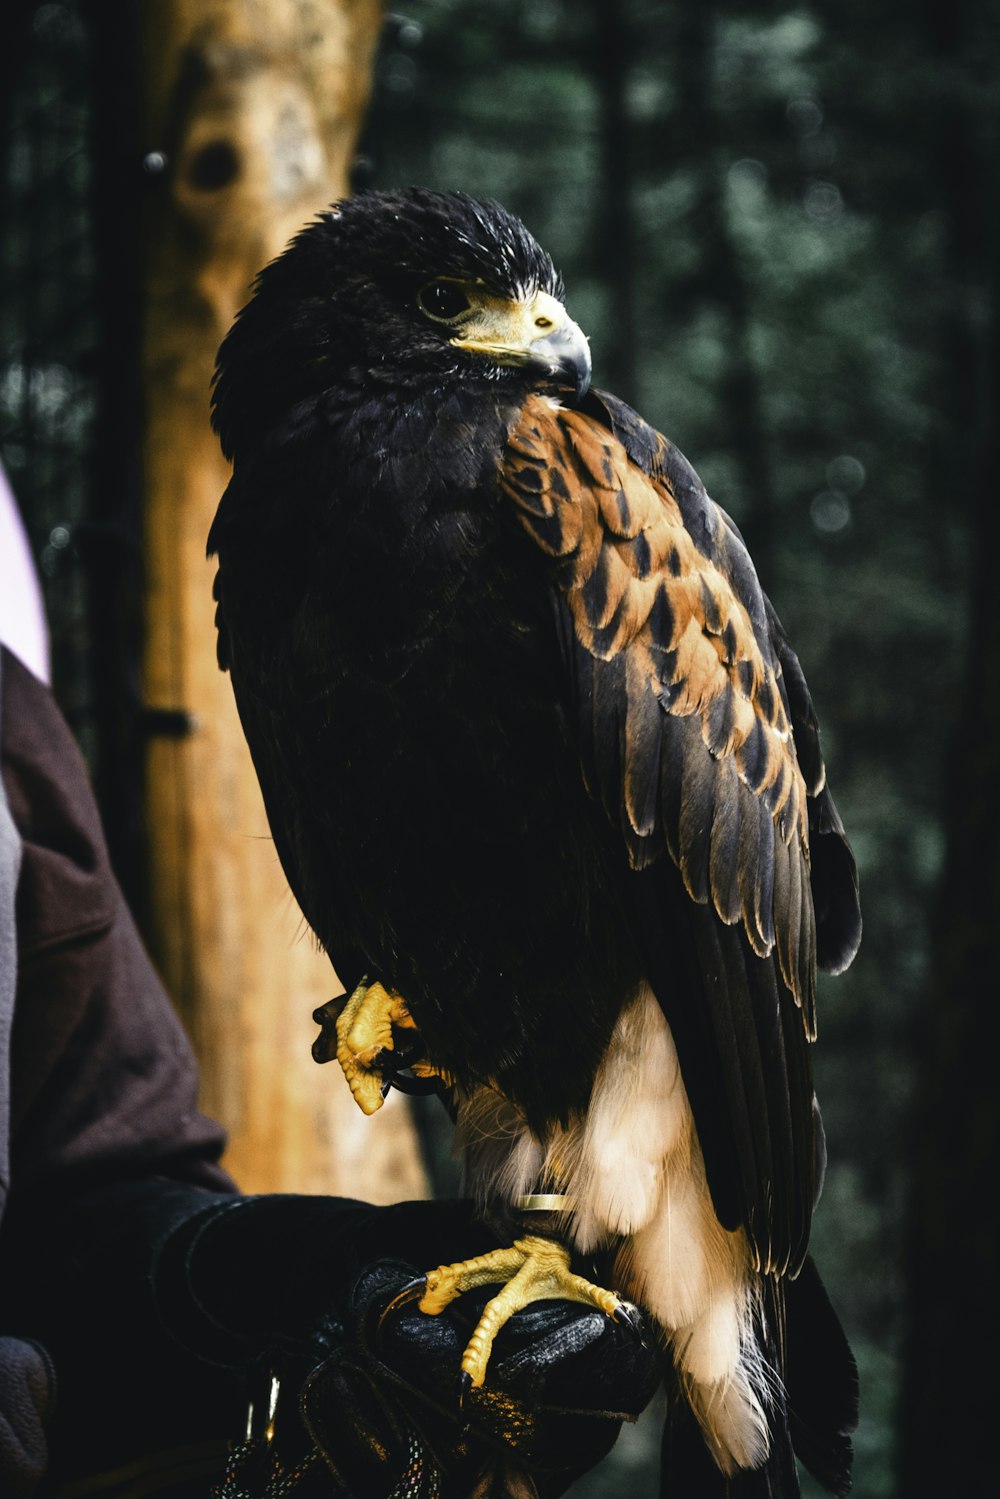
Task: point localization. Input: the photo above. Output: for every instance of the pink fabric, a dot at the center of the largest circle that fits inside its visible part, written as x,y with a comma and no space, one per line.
23,628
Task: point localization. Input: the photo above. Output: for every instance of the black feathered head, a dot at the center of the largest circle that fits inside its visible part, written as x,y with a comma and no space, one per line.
404,290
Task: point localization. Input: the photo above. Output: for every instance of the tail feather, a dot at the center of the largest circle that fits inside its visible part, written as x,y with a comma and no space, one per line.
735,1424
810,1416
687,1467
822,1383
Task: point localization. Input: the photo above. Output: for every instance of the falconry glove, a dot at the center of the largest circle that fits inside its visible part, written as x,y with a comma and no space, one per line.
308,1291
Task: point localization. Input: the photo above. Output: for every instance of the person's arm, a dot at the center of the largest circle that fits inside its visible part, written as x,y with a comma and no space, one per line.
102,1097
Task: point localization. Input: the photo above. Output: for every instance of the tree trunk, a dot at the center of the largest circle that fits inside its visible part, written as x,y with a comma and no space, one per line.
251,113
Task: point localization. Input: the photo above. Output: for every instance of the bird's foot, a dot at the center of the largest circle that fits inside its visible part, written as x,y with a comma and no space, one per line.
365,1029
532,1269
374,1038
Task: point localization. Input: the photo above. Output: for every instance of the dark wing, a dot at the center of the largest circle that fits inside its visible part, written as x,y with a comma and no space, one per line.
691,705
274,643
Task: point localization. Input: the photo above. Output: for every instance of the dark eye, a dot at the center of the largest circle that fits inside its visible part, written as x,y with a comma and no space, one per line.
443,300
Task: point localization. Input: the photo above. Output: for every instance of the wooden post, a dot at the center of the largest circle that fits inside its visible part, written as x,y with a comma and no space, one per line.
252,110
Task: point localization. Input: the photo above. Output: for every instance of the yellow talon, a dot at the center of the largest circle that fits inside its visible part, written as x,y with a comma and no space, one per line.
364,1031
534,1269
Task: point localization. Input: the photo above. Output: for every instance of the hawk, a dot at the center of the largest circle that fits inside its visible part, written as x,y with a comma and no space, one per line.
544,775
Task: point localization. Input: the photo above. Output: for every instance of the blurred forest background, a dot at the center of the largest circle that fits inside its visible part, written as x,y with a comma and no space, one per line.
778,223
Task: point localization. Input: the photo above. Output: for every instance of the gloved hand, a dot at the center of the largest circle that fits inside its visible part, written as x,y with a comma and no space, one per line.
300,1287
561,1381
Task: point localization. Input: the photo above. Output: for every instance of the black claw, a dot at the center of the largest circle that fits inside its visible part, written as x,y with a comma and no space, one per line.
464,1386
412,1291
625,1313
416,1087
324,1048
387,1062
391,1064
407,1055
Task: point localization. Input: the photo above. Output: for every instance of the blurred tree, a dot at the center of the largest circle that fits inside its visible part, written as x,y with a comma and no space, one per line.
954,1223
251,113
615,228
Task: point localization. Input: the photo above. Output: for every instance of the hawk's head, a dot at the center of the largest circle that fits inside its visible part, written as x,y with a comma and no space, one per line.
408,290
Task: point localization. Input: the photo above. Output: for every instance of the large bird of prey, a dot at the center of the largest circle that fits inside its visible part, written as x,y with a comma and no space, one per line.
543,772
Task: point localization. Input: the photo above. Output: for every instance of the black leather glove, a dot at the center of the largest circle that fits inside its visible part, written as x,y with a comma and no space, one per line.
374,1388
561,1381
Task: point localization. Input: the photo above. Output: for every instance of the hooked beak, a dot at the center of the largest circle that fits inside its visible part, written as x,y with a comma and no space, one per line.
564,356
537,335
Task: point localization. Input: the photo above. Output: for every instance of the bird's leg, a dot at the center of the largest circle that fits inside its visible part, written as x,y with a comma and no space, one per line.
536,1267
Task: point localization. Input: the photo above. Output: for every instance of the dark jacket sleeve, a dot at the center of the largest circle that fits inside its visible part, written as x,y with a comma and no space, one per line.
103,1100
103,1081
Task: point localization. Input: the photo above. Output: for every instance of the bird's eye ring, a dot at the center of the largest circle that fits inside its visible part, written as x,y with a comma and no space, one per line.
444,301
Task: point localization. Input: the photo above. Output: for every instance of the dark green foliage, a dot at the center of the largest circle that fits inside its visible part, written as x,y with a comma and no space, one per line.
770,223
